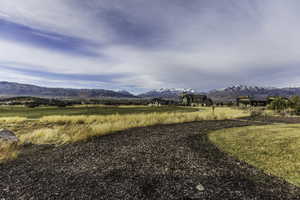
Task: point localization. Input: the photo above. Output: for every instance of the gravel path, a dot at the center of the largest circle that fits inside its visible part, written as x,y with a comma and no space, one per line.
160,162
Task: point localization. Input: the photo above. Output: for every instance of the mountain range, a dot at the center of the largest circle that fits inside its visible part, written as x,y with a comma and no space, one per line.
231,93
166,93
17,89
227,94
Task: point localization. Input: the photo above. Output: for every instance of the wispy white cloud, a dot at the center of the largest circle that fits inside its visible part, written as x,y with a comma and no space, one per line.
199,44
52,15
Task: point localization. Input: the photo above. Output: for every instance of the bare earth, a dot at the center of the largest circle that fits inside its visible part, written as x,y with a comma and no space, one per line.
160,162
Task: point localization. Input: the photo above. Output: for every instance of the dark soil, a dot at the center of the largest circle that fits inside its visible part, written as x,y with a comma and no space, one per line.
160,162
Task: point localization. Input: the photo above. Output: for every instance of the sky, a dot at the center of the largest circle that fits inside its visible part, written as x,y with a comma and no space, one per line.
139,45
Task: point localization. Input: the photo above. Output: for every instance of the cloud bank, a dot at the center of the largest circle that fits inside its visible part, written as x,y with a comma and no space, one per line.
140,45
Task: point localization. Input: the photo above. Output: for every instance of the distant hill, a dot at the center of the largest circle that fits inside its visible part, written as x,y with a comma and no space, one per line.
17,89
165,93
231,93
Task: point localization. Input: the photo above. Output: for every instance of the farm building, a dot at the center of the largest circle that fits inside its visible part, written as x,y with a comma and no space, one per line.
195,99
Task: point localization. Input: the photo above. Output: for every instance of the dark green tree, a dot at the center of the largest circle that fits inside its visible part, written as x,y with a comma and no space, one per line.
295,104
279,104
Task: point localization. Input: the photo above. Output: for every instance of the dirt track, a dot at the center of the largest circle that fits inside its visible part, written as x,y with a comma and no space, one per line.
160,162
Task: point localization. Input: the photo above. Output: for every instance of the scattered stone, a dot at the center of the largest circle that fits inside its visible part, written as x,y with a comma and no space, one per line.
200,188
8,136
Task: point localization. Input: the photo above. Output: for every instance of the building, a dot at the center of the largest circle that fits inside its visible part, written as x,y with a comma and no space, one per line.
195,100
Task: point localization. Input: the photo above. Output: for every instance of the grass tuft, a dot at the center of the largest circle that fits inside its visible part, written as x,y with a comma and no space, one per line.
8,151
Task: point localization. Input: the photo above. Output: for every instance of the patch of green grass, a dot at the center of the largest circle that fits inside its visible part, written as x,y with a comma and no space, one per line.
34,113
274,148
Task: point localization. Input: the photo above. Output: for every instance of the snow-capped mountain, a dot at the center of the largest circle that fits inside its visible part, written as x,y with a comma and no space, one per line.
188,90
166,93
226,94
231,93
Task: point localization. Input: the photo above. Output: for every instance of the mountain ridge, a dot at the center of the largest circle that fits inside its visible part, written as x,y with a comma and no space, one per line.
18,89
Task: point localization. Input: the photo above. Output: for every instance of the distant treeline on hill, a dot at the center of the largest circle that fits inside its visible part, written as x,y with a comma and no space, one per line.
35,101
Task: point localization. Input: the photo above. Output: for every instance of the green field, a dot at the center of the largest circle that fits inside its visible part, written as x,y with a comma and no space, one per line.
272,148
33,113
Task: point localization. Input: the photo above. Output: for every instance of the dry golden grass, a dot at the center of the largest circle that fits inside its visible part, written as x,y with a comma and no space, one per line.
76,128
273,148
12,119
44,136
8,151
69,129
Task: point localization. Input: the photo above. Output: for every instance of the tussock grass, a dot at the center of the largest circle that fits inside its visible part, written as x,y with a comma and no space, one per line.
273,148
45,136
76,128
68,129
8,151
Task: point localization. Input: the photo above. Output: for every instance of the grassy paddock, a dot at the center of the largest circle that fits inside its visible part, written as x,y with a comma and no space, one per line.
75,128
272,148
68,129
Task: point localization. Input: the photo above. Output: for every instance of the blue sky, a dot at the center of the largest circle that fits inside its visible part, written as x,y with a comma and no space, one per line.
140,45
